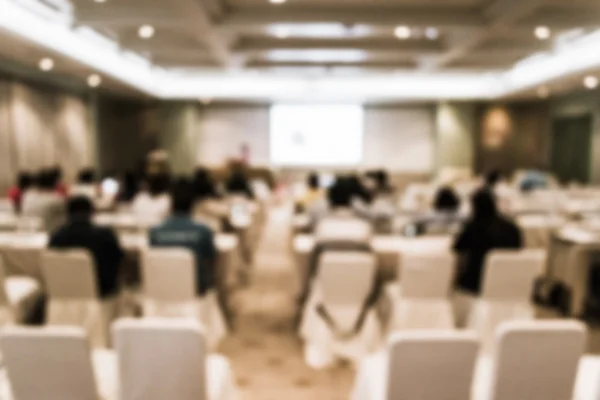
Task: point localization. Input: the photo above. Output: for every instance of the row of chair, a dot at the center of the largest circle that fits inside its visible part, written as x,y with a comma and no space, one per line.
534,360
154,359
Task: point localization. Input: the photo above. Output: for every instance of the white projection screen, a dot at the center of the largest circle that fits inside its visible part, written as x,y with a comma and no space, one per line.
316,135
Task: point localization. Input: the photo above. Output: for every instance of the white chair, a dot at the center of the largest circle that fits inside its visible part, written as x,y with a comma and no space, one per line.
54,363
421,300
534,360
167,359
341,288
73,298
169,276
18,297
507,291
420,365
334,229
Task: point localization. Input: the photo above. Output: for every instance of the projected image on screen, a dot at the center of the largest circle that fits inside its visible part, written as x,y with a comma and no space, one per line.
319,135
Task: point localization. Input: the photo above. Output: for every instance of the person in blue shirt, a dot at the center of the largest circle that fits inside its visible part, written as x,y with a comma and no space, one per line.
180,230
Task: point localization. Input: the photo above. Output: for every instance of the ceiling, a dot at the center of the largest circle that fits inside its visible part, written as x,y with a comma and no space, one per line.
315,39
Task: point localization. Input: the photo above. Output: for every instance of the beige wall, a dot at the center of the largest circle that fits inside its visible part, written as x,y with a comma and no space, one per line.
455,135
41,128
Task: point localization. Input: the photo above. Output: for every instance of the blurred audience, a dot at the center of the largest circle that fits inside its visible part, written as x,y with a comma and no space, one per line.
17,191
129,187
446,201
86,184
204,186
486,230
43,202
80,233
180,230
238,184
153,204
314,194
60,187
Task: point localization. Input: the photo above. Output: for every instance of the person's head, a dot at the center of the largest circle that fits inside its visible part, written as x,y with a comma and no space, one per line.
158,184
24,181
80,207
382,180
484,205
182,196
313,181
203,184
492,178
446,200
47,180
86,176
56,173
340,194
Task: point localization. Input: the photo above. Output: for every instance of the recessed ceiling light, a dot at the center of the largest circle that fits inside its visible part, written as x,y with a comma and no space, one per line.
46,64
100,1
402,32
94,80
542,32
590,82
281,32
432,33
146,31
277,1
543,92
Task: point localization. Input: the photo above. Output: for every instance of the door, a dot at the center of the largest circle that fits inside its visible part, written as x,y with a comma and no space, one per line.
571,148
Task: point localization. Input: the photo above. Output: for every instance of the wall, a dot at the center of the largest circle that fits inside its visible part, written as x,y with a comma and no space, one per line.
455,135
41,127
581,104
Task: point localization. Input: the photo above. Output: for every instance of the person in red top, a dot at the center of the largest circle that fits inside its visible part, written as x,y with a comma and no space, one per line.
16,192
61,188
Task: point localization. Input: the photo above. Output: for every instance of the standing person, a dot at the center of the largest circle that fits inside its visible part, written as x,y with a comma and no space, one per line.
180,230
80,233
17,192
44,202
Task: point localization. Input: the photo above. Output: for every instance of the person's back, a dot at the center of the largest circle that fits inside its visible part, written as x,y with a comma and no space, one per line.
80,233
179,230
45,203
154,205
238,184
488,230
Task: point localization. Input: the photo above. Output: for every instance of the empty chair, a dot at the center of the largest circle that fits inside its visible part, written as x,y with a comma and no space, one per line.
166,359
533,360
420,365
507,291
338,320
73,298
422,300
170,291
54,363
333,229
18,297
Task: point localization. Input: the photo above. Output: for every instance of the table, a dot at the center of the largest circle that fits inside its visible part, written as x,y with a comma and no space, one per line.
537,229
569,261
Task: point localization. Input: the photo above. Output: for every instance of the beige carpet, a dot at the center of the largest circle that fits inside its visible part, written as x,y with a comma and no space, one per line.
264,350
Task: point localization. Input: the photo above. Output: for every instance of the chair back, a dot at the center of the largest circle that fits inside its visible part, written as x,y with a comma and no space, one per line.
431,365
537,360
3,297
427,275
160,359
69,275
510,275
169,275
346,280
48,363
354,230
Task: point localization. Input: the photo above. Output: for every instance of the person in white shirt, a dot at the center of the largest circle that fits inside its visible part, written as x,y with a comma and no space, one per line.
44,204
86,185
153,205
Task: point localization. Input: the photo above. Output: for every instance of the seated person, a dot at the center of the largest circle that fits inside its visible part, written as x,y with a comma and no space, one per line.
180,230
444,219
59,186
154,204
446,201
383,206
128,189
313,194
17,192
487,230
43,202
501,190
204,186
238,183
86,185
80,233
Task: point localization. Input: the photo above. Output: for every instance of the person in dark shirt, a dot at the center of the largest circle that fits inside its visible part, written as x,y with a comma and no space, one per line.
487,230
446,201
80,233
204,186
181,231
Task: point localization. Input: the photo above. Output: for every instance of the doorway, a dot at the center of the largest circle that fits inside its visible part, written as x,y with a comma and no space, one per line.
571,148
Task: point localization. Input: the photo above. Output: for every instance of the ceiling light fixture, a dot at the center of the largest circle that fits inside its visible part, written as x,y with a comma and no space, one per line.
281,32
432,33
46,64
146,31
543,92
542,32
94,80
277,1
590,82
100,1
402,32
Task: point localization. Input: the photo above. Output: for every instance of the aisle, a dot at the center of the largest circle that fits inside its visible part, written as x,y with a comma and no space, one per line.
265,352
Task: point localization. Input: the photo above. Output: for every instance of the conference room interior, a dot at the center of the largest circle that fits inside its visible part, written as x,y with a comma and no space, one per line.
355,159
